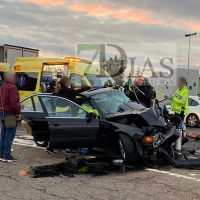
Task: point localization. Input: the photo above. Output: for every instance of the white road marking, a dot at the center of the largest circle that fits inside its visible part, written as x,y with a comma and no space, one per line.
27,137
26,140
174,174
34,146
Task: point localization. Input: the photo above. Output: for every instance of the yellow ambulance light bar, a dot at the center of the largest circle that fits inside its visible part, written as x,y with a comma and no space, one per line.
70,59
73,59
37,59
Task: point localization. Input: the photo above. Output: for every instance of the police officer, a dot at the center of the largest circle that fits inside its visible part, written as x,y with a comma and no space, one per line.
180,99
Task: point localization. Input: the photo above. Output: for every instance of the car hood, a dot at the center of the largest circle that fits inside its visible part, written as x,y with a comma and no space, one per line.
147,114
131,106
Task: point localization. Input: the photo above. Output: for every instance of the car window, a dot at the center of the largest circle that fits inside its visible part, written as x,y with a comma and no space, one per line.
89,103
98,80
194,103
167,102
77,81
31,104
109,102
27,105
189,101
59,107
27,81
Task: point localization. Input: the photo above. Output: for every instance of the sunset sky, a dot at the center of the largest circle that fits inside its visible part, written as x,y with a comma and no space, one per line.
52,25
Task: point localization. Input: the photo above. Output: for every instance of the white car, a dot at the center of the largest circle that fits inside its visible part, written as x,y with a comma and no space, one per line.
193,117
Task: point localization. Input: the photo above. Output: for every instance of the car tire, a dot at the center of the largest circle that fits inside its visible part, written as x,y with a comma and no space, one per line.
41,143
128,148
192,120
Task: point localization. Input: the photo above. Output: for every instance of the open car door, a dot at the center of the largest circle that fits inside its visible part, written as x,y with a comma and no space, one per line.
69,124
33,114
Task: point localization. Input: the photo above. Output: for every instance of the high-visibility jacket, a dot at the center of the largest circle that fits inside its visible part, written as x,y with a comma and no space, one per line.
180,101
89,109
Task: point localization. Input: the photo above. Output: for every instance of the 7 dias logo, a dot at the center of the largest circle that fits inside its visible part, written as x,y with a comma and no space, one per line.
156,61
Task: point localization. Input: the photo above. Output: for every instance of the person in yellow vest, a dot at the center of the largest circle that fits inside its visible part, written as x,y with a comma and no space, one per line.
180,99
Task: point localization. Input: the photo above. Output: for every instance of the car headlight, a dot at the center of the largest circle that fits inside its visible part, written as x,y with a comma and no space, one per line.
148,140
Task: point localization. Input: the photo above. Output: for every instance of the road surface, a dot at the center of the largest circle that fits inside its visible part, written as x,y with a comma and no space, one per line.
167,183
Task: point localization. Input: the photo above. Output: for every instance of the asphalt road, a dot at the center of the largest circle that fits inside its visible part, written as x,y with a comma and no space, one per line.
164,183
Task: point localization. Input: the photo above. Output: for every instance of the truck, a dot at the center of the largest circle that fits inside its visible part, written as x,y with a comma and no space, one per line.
8,53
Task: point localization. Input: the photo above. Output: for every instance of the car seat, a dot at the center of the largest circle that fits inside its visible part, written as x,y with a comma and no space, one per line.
43,87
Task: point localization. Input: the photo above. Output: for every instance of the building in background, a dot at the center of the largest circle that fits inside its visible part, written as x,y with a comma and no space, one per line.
168,88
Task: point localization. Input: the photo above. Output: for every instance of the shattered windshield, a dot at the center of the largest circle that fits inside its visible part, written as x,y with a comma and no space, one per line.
98,80
109,102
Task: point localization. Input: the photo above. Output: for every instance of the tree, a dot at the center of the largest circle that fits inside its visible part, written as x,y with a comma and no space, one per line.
138,72
115,67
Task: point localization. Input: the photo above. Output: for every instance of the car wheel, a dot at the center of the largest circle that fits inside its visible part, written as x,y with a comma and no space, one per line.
41,143
193,120
128,148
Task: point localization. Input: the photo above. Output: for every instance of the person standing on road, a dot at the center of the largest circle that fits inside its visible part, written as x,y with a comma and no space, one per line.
179,107
51,90
10,111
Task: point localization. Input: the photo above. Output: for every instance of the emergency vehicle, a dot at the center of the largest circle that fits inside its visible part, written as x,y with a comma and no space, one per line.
34,74
3,68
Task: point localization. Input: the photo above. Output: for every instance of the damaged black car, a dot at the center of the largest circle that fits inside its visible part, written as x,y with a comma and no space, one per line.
101,118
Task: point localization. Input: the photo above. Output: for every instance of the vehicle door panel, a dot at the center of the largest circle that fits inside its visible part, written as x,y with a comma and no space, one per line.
75,130
33,114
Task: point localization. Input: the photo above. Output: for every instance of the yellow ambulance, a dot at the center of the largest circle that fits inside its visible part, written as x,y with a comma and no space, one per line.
34,73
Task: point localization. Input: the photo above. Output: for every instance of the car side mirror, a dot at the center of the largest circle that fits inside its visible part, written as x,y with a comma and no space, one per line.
90,117
93,115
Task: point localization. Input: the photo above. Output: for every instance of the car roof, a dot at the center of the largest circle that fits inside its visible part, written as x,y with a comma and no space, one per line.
195,98
93,92
87,94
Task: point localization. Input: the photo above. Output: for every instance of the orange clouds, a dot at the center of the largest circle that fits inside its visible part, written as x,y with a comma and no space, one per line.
133,15
46,2
111,12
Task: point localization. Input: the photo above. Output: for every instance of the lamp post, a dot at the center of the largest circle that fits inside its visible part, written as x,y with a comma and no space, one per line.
189,35
61,52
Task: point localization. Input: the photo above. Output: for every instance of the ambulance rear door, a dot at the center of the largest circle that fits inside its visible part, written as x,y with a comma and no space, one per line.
29,78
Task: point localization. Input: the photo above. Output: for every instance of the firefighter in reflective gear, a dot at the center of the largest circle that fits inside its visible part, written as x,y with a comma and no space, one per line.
109,84
141,91
180,99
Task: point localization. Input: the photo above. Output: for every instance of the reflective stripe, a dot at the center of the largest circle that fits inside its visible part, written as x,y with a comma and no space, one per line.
181,97
130,89
63,109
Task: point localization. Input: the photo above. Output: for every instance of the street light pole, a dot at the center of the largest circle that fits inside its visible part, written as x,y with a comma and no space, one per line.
189,35
188,64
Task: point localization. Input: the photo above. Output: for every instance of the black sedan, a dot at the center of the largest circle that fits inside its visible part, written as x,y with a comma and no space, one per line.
101,118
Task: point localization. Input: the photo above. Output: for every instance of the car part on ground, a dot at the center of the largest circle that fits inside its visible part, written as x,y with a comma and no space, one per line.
27,127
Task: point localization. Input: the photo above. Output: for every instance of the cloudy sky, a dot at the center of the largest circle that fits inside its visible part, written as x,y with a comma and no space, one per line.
52,25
